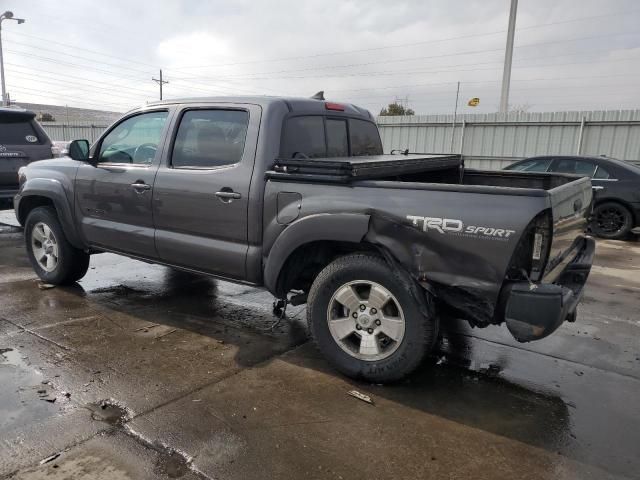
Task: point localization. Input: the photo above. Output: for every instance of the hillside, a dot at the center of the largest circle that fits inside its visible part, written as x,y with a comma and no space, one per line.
63,114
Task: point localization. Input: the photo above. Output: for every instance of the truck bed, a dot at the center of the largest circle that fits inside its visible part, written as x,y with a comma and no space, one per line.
347,169
432,169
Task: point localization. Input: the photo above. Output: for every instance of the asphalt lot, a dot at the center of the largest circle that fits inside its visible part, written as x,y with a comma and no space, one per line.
142,372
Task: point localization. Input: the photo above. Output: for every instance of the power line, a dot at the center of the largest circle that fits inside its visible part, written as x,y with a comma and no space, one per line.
401,45
92,60
397,60
81,100
77,86
475,82
446,70
74,65
47,40
29,69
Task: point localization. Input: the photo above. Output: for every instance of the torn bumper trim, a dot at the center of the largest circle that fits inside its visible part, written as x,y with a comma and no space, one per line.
535,310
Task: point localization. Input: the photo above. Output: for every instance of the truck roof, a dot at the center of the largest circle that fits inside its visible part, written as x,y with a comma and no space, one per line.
294,104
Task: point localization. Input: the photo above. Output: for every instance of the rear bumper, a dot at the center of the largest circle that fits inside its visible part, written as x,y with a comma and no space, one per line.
535,310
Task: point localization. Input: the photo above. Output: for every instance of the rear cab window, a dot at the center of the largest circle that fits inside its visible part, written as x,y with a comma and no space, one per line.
320,136
304,137
364,137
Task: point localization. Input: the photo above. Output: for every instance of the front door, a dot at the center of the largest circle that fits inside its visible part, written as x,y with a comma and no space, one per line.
113,198
201,191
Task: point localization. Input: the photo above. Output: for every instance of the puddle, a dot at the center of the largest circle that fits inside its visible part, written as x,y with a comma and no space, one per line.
110,412
172,464
20,403
9,356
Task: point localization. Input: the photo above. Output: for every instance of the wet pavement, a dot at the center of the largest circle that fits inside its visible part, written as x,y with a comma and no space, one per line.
142,372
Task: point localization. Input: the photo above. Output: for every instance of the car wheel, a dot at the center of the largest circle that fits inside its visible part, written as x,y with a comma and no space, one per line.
364,319
611,220
53,258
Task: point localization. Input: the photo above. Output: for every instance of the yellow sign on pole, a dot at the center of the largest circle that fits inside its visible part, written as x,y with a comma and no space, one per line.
474,102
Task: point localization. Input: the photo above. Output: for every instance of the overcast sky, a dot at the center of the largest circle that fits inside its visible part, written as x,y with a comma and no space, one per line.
569,54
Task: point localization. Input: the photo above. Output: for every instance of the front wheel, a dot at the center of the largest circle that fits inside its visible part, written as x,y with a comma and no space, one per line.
366,322
53,258
611,220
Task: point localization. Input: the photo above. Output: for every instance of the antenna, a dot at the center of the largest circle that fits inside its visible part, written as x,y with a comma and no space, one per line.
319,95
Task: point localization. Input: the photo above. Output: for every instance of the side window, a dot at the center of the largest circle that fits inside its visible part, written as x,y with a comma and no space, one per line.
210,138
134,141
304,136
365,139
337,141
532,166
569,165
601,173
520,166
585,168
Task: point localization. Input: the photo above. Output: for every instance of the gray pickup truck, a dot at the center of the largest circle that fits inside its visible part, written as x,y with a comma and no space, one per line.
294,195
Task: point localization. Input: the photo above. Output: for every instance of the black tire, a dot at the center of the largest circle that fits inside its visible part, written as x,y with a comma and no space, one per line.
420,330
611,220
72,263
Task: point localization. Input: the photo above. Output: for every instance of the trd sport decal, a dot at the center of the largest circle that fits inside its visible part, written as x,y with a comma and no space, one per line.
456,227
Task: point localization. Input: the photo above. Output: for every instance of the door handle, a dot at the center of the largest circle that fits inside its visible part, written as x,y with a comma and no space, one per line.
228,195
140,187
595,188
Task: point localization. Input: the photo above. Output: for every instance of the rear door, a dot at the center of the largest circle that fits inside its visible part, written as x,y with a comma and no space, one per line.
113,198
200,197
21,142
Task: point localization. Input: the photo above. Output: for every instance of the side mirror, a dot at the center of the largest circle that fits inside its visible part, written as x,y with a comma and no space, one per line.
79,150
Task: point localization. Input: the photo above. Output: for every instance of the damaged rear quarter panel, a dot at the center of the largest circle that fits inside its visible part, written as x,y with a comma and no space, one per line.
465,265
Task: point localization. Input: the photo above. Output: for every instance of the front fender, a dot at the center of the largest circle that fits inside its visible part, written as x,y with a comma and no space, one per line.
341,227
51,189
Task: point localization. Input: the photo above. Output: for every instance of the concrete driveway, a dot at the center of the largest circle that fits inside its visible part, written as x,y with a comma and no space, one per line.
142,372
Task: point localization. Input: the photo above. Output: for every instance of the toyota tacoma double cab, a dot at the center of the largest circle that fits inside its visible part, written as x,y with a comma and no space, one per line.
296,196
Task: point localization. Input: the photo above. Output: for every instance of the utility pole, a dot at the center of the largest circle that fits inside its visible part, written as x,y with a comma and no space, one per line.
455,114
508,56
5,16
160,82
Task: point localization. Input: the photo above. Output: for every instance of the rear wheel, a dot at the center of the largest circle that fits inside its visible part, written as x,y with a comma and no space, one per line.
53,258
611,220
366,322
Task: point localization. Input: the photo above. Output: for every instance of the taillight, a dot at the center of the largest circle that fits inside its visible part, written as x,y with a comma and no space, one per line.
530,255
542,233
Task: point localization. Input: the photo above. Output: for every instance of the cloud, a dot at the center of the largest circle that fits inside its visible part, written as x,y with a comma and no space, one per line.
369,52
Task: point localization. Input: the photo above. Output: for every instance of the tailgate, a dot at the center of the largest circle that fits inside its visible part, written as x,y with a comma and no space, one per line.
12,157
571,208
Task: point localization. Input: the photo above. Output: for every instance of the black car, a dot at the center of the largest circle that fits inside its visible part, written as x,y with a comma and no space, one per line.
616,184
22,141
